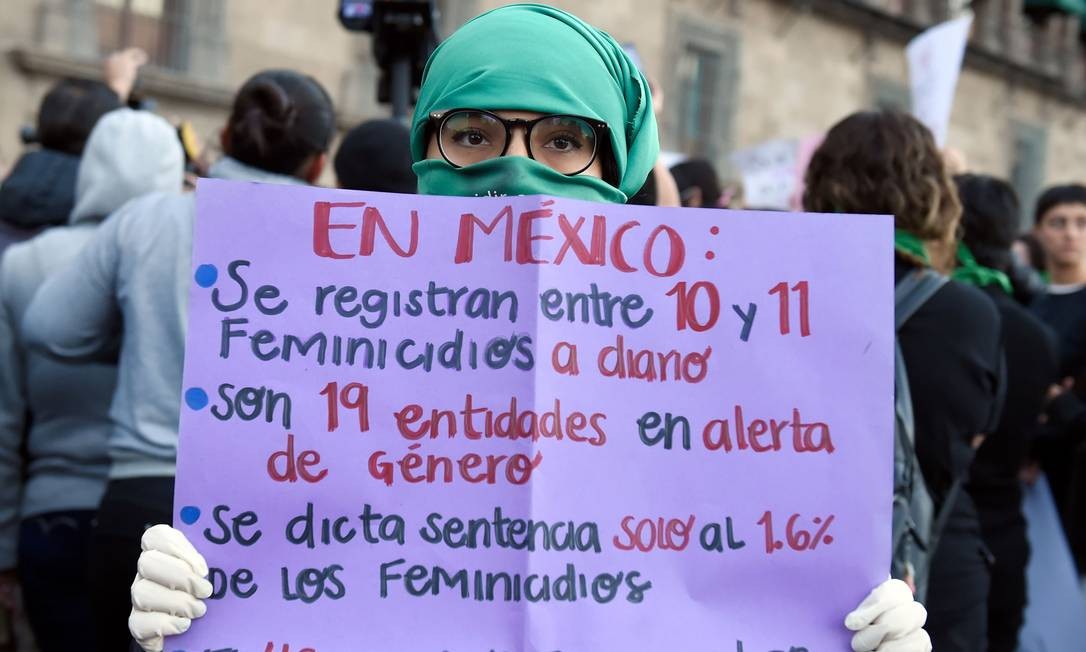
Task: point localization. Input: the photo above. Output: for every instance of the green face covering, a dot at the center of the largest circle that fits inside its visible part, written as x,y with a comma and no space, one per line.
507,176
536,58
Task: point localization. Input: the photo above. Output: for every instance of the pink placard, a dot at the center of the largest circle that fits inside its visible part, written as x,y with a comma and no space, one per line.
528,423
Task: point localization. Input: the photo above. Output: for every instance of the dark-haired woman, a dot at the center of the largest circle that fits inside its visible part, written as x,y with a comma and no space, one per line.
494,117
990,221
133,278
887,163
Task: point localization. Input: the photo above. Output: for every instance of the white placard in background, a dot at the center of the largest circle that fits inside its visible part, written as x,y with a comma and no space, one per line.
935,62
769,173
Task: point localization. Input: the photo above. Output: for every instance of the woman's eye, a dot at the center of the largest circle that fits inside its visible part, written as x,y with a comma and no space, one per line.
564,143
470,138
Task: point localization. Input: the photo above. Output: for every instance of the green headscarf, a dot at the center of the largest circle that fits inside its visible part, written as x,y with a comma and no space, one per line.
529,57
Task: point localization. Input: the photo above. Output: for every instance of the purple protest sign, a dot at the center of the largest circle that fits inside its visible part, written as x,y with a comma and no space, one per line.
431,423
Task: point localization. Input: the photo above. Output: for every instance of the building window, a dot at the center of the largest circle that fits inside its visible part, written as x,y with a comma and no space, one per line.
186,36
699,72
889,95
701,113
152,25
1030,149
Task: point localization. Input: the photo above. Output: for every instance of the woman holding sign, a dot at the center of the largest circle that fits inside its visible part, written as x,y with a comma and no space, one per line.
525,99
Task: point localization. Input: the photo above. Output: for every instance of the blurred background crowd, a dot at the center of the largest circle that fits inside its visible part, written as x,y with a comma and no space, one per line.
745,92
734,73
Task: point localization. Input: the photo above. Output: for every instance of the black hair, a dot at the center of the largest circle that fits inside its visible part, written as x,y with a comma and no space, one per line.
990,211
646,196
608,162
698,173
279,119
376,155
69,111
1035,249
990,214
1071,193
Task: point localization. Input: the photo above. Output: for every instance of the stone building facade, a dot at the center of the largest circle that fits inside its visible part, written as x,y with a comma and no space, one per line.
733,72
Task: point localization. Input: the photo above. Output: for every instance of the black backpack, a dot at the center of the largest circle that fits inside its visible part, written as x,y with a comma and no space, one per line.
916,527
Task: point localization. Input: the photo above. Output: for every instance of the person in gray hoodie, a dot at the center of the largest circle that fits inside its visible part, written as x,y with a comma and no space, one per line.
58,412
134,275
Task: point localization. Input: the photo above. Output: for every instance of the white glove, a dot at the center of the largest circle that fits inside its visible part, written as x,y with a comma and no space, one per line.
168,587
889,620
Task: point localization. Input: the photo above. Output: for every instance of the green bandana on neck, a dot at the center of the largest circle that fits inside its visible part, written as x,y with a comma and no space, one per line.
911,245
971,272
507,176
536,58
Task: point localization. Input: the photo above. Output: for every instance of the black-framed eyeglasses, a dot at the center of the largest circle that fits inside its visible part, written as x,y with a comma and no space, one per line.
568,144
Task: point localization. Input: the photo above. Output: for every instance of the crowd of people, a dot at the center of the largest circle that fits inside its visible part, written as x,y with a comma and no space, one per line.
95,262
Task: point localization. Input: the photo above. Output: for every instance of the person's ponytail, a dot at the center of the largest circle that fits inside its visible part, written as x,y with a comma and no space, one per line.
279,119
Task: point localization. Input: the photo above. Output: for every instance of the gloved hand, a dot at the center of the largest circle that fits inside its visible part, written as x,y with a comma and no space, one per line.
889,620
168,589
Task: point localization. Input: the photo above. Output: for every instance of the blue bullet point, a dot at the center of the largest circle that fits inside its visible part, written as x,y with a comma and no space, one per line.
190,514
196,398
206,275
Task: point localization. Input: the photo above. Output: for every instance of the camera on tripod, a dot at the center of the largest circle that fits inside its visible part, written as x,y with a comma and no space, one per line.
404,36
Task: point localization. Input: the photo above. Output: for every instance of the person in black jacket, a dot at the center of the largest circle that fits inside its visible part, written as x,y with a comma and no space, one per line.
40,190
990,221
1061,229
886,162
1066,435
376,156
